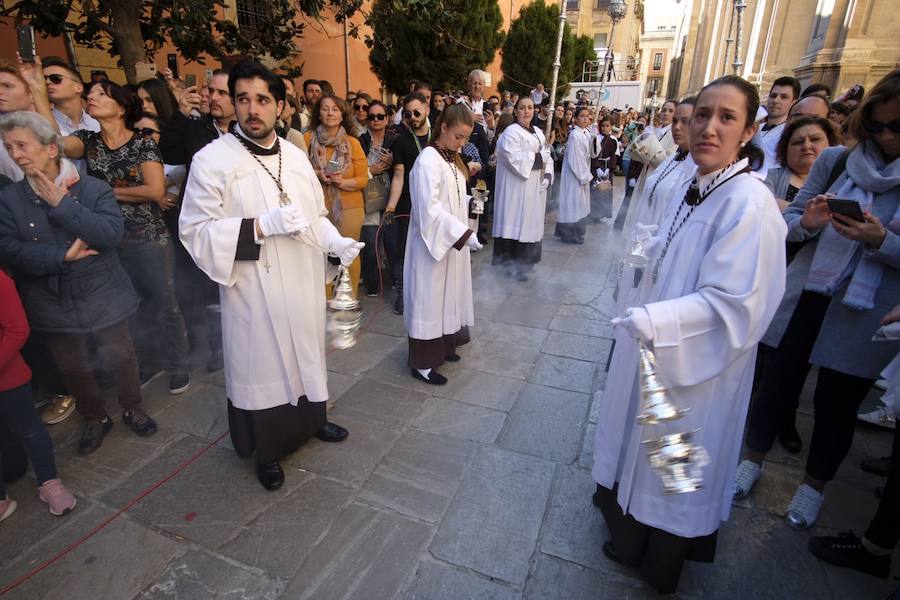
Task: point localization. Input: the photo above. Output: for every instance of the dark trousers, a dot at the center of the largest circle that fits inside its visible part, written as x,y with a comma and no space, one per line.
116,352
198,299
158,328
370,272
837,398
46,377
884,530
394,239
18,413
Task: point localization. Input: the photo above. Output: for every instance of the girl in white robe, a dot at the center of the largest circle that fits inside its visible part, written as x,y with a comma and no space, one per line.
574,189
524,174
652,148
712,287
437,292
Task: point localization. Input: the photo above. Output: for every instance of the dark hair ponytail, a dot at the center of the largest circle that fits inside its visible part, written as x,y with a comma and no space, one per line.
750,151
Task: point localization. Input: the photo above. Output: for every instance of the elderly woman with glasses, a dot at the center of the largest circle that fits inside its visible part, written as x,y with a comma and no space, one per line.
58,233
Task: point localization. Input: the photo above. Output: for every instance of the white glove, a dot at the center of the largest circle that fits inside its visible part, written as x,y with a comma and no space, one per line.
545,183
632,182
473,243
284,220
636,322
645,231
347,249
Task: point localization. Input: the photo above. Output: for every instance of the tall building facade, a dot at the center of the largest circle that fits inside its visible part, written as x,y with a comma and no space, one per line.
836,42
591,18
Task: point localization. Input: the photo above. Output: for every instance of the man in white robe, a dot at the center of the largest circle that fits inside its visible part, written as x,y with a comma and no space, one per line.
254,221
718,287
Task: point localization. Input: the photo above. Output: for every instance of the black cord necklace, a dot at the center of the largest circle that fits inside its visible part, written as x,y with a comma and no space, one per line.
450,157
693,198
283,199
671,167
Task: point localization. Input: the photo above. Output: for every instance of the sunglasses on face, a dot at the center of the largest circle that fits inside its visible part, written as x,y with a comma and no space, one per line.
407,114
361,106
54,78
876,127
377,117
147,132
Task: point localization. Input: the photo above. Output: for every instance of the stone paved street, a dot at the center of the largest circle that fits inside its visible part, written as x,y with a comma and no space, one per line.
479,489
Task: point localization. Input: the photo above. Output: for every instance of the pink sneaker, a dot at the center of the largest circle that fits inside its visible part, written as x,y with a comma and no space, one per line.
58,498
7,507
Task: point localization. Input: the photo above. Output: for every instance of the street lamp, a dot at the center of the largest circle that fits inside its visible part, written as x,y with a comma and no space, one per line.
617,10
739,6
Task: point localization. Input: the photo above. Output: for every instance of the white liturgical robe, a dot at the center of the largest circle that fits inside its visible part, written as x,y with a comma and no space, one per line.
437,278
273,309
652,154
574,187
519,203
719,285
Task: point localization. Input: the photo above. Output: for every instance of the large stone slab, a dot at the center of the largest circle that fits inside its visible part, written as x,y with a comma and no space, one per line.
202,412
419,475
380,404
209,501
581,347
350,461
482,389
555,578
338,384
434,581
493,522
527,312
546,422
370,349
199,574
563,373
507,350
459,420
366,554
280,539
117,562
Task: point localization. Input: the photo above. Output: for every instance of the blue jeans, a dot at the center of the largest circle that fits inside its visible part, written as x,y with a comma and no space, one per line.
20,417
158,328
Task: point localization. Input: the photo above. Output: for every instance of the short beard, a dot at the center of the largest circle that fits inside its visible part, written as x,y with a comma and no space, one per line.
261,135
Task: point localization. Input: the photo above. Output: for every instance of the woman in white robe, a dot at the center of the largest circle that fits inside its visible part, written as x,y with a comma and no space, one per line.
652,148
524,174
437,276
574,188
711,289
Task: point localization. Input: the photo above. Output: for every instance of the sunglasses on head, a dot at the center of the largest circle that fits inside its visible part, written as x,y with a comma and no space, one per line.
54,78
876,127
361,106
377,117
409,113
147,131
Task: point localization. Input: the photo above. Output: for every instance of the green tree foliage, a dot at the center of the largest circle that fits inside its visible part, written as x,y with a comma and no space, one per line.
530,48
438,42
134,30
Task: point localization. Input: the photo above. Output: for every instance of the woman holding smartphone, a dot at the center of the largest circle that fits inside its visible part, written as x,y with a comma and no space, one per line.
340,164
840,284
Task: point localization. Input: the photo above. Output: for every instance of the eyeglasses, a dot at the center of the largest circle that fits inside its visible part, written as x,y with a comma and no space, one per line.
147,132
54,78
408,114
377,117
361,107
876,127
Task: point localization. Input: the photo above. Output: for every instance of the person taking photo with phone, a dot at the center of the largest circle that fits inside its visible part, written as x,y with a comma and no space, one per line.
839,285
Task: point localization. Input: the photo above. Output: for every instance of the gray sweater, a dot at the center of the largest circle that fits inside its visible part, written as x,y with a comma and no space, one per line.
844,341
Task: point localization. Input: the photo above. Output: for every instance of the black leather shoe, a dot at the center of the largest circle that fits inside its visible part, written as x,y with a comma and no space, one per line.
790,439
92,435
453,358
609,551
270,475
434,378
332,433
595,497
877,466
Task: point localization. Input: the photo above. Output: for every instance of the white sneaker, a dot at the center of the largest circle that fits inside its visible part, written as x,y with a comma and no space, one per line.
880,417
746,476
882,384
804,508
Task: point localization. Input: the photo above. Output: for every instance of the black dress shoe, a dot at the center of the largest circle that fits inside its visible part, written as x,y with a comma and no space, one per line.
434,378
847,550
452,358
332,433
270,475
595,498
877,466
790,439
609,551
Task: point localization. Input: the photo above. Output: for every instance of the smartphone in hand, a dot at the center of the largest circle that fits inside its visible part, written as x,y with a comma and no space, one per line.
26,42
846,208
